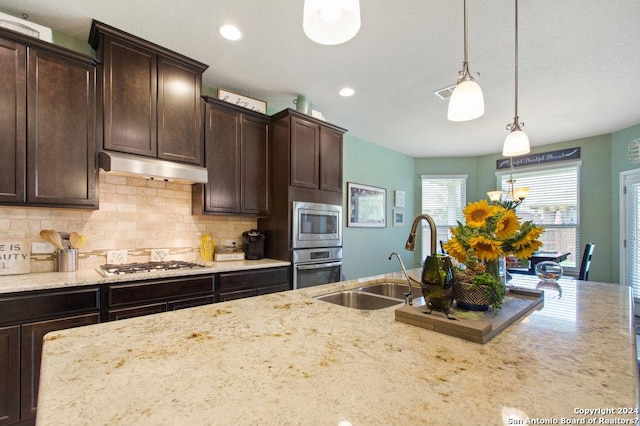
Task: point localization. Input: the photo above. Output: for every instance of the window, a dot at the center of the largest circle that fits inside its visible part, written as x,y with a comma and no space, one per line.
553,202
443,198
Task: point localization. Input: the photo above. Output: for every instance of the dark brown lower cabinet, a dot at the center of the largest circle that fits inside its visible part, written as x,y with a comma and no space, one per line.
139,298
24,320
32,342
9,374
240,284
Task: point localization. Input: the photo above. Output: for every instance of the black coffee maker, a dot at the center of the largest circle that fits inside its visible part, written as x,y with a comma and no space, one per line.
253,244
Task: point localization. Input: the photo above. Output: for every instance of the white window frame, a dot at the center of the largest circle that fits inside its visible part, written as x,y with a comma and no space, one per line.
628,242
576,252
425,246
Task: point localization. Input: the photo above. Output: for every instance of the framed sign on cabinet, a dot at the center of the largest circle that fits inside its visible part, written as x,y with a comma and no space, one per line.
243,101
366,206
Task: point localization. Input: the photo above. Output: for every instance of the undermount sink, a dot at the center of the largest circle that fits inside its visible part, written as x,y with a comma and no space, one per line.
392,289
360,300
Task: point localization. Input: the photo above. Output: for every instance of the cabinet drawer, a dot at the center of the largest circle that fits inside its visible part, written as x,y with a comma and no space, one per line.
252,279
141,292
16,309
233,295
189,303
136,311
273,289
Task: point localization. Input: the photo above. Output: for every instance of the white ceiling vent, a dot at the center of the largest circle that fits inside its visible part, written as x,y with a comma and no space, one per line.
445,93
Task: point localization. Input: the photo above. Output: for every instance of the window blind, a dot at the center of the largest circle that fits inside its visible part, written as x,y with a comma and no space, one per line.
553,202
443,198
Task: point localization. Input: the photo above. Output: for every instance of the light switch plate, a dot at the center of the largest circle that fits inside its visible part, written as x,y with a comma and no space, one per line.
116,257
41,248
159,255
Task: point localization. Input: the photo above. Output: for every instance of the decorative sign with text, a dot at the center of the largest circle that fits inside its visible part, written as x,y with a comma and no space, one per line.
537,159
15,257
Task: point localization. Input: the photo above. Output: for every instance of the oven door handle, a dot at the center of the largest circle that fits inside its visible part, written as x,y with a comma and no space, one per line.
318,266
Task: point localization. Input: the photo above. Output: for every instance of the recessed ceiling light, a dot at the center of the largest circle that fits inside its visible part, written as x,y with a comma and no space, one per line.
230,32
346,92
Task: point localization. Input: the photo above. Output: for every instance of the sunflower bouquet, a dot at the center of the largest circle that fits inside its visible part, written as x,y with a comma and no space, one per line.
491,231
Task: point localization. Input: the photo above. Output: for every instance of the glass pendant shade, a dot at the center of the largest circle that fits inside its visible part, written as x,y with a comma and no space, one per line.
516,143
495,196
520,193
331,22
467,102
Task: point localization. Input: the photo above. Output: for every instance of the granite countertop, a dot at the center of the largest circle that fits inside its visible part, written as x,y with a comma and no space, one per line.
84,277
287,358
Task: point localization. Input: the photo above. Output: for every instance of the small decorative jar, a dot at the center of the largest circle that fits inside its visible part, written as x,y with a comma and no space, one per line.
549,271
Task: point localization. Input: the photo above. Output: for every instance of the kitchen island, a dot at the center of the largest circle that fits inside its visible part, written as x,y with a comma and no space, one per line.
287,358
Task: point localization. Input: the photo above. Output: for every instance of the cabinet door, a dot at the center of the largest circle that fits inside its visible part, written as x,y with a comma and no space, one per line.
222,191
179,132
9,375
129,98
32,335
330,160
255,165
13,103
305,153
61,168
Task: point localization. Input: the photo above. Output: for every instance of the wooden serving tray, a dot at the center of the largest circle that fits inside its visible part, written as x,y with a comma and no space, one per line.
479,327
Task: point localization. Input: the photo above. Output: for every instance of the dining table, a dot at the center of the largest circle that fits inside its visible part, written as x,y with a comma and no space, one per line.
537,257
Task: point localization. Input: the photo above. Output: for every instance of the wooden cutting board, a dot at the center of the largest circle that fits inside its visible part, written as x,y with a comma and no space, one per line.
479,327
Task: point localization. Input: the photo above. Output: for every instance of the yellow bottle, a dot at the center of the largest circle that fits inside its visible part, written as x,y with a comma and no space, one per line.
206,248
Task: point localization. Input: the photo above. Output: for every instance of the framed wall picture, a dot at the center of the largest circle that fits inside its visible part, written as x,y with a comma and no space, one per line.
243,101
398,217
366,206
399,198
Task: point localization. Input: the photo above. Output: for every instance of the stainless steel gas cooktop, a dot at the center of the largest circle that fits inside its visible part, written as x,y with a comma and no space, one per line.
133,268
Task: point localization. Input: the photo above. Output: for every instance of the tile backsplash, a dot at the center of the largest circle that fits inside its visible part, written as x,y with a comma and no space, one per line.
135,214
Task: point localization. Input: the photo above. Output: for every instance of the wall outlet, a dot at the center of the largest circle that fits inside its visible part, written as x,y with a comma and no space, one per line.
230,243
41,248
116,257
159,255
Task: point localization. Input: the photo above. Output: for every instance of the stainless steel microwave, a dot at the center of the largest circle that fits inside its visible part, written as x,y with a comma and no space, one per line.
316,225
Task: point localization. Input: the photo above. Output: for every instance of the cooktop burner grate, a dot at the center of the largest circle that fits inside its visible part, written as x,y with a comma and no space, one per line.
132,268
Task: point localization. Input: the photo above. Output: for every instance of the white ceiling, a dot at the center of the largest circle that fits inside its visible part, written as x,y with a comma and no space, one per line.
579,64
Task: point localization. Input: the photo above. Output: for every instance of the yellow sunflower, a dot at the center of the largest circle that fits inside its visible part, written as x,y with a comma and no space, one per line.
486,249
455,250
507,225
477,213
526,250
530,237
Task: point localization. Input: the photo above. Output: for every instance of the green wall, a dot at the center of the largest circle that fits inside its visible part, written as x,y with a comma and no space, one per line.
366,250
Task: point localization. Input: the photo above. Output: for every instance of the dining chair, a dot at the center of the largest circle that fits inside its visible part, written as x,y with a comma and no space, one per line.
586,261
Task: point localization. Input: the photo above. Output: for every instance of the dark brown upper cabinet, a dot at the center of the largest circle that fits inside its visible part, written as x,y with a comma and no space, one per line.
47,124
150,97
237,161
314,148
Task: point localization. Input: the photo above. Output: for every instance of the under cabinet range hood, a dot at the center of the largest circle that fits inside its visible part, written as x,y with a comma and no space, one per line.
151,168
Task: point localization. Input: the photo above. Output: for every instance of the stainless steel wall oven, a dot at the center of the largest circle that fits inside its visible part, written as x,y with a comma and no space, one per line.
317,244
316,266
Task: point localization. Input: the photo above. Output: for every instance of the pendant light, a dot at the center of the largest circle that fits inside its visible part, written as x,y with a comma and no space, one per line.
516,143
331,22
466,101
